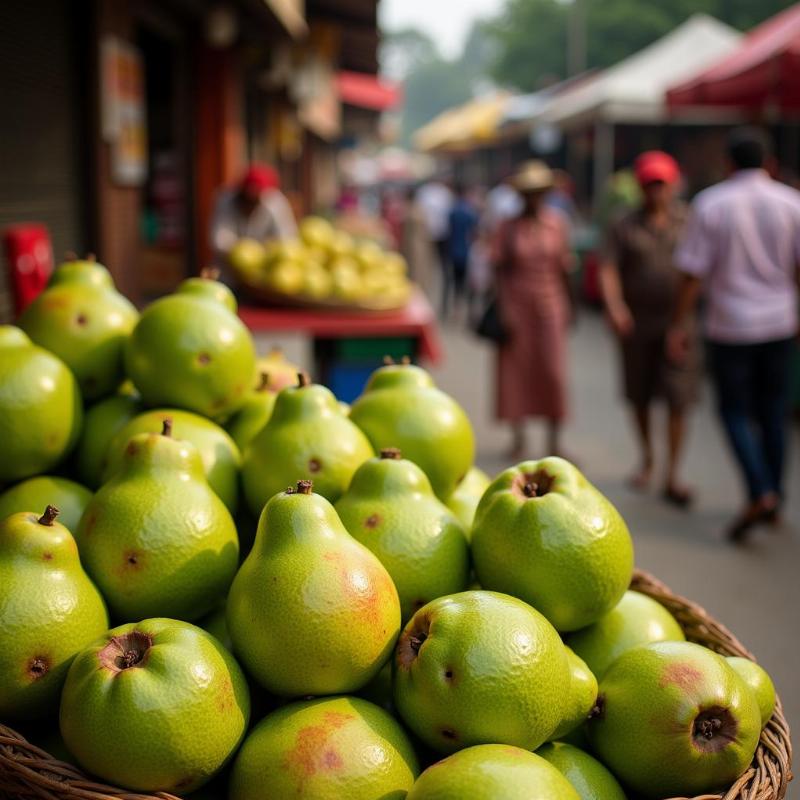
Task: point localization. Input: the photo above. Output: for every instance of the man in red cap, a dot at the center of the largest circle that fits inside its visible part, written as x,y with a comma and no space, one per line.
640,283
254,209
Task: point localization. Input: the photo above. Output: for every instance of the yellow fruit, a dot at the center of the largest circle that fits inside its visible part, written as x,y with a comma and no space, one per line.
248,259
285,276
317,281
341,244
316,232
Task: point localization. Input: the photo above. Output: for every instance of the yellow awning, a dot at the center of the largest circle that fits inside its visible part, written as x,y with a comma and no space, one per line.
468,125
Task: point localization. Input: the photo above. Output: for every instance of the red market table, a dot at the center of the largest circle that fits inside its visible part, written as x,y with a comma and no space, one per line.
349,345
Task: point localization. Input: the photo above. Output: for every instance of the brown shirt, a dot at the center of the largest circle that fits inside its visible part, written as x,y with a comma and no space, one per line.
644,255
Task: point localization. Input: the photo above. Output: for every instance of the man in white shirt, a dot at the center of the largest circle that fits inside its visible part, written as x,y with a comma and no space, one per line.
436,201
742,246
254,209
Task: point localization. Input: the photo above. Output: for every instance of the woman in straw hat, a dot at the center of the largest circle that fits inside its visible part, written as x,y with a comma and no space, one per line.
532,260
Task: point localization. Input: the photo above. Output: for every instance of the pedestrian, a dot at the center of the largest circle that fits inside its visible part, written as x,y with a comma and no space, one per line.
461,226
417,246
639,284
532,261
503,202
436,199
255,208
742,248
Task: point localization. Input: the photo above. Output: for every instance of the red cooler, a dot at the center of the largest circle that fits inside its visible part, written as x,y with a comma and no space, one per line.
29,255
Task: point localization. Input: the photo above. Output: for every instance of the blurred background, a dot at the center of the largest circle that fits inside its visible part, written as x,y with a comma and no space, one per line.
125,119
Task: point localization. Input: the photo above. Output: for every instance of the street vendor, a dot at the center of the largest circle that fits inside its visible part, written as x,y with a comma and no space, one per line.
255,208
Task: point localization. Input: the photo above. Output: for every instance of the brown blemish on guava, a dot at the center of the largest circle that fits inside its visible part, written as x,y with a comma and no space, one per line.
91,521
132,559
448,674
203,358
47,556
82,319
714,729
450,734
304,487
372,521
598,710
412,639
533,484
309,754
314,465
225,697
125,652
685,676
183,783
38,667
132,449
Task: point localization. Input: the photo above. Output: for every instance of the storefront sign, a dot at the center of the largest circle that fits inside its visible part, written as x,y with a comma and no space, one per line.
123,120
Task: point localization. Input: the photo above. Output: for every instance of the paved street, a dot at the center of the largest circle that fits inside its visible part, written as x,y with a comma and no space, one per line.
755,590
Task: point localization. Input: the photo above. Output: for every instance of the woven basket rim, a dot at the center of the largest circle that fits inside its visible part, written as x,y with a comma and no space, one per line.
29,773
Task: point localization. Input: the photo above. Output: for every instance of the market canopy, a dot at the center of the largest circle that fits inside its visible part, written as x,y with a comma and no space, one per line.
460,128
764,70
633,91
367,91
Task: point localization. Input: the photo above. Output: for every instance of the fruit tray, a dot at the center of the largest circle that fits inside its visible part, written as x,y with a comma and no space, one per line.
372,305
29,773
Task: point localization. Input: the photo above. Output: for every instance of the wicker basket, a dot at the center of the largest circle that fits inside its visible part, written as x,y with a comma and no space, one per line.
29,773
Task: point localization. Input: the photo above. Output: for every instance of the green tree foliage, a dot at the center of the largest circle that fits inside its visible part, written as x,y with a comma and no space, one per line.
433,83
531,35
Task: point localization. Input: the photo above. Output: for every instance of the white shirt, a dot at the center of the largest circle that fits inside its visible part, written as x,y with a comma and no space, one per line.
502,203
436,200
743,238
272,218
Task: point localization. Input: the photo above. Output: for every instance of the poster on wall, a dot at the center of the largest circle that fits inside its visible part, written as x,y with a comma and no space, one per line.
123,119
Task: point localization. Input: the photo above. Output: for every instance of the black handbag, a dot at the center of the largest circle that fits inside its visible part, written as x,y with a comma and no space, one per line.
490,323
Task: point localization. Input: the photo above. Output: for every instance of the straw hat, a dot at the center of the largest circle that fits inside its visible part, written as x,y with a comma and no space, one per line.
533,176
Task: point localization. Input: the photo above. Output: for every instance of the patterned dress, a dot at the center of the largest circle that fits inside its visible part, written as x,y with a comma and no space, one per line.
531,257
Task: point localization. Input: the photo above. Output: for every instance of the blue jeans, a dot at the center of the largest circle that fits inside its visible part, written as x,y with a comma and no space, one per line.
752,382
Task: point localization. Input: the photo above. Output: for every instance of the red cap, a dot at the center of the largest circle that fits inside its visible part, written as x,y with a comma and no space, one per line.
259,178
656,165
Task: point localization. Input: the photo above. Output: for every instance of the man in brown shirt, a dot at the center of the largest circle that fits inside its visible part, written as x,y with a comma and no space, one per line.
640,284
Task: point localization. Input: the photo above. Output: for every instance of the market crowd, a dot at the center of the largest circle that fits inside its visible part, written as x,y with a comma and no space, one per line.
712,285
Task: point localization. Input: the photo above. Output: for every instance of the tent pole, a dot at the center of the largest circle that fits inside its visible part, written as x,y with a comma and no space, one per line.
603,159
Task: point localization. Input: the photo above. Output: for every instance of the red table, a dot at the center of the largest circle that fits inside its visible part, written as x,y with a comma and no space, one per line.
416,321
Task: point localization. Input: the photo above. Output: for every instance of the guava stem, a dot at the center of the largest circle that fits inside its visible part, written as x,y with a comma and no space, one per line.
391,453
388,361
209,273
405,360
417,641
304,487
91,257
70,255
166,426
49,516
302,379
262,387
